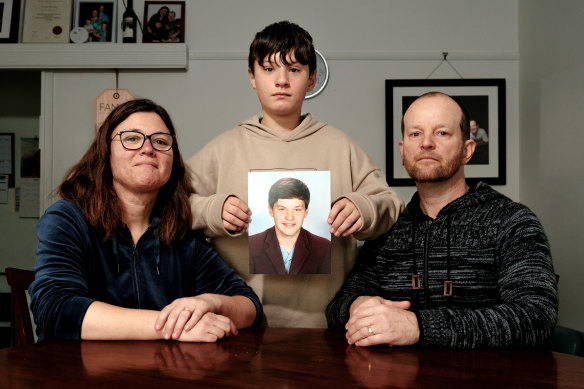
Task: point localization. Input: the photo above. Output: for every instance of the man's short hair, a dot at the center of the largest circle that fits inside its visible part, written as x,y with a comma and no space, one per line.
288,188
282,38
464,120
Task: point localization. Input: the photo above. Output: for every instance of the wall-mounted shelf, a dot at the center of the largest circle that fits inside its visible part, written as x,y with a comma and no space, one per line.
49,56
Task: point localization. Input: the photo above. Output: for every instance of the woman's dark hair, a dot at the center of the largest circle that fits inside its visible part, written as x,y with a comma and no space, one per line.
282,38
159,13
90,183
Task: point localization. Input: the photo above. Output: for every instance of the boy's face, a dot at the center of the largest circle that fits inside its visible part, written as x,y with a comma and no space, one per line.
288,216
281,89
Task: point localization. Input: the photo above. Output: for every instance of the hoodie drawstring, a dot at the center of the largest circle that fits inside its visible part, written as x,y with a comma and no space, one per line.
448,282
416,285
415,276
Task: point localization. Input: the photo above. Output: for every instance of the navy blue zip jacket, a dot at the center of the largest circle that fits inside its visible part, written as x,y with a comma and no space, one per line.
75,267
496,256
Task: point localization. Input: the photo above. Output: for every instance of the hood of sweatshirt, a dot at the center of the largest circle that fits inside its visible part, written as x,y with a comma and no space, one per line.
478,193
307,126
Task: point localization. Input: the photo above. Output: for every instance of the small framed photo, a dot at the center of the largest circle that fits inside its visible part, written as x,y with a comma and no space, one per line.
9,18
98,18
164,22
484,99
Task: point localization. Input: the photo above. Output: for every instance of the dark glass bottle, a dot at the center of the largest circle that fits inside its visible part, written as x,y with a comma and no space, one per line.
129,24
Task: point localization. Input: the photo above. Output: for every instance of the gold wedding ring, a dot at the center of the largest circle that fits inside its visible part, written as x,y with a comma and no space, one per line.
371,332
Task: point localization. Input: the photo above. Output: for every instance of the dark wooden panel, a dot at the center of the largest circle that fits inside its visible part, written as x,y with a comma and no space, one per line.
280,358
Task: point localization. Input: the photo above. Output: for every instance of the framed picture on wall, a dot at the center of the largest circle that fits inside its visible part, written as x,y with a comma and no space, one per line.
7,157
484,99
9,17
164,22
98,18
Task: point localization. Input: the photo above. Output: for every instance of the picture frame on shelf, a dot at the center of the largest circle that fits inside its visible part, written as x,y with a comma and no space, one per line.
9,20
164,22
484,99
98,18
46,22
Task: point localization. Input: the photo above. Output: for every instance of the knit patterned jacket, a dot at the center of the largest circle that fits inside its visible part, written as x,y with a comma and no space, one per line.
495,253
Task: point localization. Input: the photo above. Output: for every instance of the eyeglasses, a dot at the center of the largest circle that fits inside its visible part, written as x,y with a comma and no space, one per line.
134,140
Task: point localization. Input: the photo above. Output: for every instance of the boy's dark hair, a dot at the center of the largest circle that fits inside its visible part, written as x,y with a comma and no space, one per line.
464,117
281,38
288,188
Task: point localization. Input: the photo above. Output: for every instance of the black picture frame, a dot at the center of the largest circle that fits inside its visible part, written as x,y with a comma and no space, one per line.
7,157
484,98
165,33
9,20
83,10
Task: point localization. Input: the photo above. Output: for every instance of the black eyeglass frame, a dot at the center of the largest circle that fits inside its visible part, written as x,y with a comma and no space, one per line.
144,138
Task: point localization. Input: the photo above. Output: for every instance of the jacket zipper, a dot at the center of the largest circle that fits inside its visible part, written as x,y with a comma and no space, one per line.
136,289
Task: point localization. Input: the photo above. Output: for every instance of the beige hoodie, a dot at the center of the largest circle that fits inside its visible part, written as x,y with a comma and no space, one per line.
220,170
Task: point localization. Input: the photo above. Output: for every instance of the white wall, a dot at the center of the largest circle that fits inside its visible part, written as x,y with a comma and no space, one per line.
552,121
364,42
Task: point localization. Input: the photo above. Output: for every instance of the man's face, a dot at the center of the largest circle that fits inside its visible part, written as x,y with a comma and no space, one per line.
281,89
473,126
432,149
288,216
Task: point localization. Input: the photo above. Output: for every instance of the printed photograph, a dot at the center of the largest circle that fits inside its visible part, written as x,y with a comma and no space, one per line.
289,233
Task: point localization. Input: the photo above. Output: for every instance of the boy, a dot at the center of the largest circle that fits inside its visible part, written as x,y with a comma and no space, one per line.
286,247
282,69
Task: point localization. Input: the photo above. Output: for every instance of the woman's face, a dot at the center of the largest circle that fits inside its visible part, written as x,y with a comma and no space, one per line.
145,170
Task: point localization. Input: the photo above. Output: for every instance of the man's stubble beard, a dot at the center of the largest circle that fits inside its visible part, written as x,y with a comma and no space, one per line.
437,174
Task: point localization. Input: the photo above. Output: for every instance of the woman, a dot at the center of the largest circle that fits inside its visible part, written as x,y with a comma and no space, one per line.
155,25
117,258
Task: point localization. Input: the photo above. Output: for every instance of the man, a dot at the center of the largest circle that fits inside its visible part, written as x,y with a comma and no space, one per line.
481,139
479,135
462,267
172,28
287,248
282,69
103,17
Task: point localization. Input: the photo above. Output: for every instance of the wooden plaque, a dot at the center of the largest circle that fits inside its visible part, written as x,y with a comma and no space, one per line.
107,101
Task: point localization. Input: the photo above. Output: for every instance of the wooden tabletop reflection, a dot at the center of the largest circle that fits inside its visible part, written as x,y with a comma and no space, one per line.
279,358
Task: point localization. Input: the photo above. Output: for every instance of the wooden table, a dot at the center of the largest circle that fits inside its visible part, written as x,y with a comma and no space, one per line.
279,358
